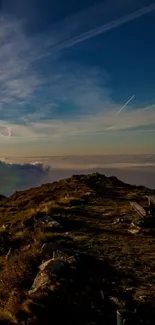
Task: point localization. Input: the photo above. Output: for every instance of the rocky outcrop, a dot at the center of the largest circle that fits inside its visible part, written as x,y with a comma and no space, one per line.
49,222
45,279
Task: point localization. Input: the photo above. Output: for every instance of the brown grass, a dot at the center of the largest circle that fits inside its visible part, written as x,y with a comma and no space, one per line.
89,228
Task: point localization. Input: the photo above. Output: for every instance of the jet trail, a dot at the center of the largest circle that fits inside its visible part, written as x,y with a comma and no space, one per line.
106,27
121,109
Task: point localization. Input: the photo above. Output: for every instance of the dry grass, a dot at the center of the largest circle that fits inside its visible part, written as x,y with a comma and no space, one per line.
90,228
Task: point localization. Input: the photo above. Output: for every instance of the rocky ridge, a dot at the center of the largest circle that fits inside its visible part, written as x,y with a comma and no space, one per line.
66,252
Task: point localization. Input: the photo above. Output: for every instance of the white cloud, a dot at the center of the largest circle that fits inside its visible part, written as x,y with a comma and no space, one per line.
17,79
29,93
21,176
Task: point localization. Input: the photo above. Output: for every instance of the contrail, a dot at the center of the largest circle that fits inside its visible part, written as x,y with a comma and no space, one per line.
106,27
121,109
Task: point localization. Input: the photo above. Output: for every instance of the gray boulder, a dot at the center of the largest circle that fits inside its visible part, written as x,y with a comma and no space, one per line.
43,280
50,222
51,266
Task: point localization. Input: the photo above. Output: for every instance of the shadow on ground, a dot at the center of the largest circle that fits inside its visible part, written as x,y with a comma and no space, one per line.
88,294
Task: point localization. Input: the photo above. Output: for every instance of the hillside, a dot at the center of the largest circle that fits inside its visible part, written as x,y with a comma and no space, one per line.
76,232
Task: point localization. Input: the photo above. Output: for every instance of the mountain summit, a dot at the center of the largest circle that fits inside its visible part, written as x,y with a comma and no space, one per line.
67,250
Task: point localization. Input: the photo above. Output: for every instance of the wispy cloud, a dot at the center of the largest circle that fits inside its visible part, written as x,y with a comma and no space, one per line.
130,121
148,107
17,79
22,80
57,99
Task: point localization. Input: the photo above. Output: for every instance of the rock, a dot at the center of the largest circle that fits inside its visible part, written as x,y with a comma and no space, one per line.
67,196
51,223
45,277
25,248
54,225
6,226
116,221
134,231
45,218
57,252
88,195
117,301
51,266
41,282
102,294
129,289
32,321
8,254
48,248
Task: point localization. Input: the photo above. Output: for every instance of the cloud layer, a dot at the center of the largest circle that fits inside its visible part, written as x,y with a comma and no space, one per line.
20,174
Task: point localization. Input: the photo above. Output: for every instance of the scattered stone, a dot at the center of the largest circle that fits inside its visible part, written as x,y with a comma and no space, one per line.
41,282
102,294
56,251
8,254
89,195
129,289
51,223
134,231
116,221
67,196
143,298
3,227
45,218
25,248
117,301
32,321
54,224
51,265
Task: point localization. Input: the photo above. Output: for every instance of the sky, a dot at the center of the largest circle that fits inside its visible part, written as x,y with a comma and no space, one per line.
77,77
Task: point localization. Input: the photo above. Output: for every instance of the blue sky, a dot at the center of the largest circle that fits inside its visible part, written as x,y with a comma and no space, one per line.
67,68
